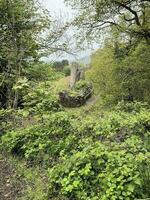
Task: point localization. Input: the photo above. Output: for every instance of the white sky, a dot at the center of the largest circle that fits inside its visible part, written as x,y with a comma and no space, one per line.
58,8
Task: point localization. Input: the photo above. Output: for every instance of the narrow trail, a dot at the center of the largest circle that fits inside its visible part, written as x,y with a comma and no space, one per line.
92,100
11,185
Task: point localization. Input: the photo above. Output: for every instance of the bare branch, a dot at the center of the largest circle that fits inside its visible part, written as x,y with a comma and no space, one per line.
130,10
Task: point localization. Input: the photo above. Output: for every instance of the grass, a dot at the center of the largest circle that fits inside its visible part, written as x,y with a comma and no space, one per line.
93,107
61,84
34,179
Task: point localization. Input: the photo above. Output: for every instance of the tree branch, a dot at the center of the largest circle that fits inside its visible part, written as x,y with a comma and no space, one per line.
130,10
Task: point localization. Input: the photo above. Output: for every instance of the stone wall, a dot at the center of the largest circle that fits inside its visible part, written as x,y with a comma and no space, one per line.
77,73
78,100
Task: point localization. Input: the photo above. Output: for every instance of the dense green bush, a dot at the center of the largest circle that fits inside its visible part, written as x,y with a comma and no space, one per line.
118,73
81,85
46,137
66,71
93,158
11,119
40,99
116,125
134,106
99,172
106,162
41,71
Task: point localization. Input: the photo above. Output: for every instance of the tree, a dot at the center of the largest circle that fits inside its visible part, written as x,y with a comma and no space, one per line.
131,17
103,65
65,62
59,65
133,74
21,23
119,76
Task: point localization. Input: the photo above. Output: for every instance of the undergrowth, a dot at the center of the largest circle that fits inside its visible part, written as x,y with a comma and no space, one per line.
92,158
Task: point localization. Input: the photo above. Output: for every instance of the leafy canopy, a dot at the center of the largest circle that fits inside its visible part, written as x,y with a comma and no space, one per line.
130,17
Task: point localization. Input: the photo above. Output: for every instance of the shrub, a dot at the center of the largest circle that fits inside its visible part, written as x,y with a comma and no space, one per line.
42,72
106,161
66,71
131,106
82,84
11,119
98,172
47,137
92,158
123,76
39,99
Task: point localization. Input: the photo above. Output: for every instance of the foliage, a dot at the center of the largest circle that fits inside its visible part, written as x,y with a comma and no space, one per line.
81,84
129,18
87,157
133,73
40,72
35,141
11,119
144,171
105,162
125,77
81,88
131,106
92,158
59,65
21,23
98,172
66,71
36,100
102,74
40,99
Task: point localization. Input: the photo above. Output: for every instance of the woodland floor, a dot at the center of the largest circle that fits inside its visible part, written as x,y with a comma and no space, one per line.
11,184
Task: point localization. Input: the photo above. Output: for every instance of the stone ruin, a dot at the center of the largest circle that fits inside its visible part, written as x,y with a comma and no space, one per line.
67,100
77,73
75,101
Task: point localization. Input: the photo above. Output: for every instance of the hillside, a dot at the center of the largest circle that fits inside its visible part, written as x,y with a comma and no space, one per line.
79,130
63,144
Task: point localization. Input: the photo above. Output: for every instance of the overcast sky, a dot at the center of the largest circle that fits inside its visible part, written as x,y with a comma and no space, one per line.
54,5
58,8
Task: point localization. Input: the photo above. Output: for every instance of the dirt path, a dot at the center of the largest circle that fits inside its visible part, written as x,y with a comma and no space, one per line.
92,100
11,185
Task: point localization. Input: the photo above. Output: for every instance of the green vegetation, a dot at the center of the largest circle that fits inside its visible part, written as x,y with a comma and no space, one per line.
89,159
99,151
118,75
129,19
59,65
